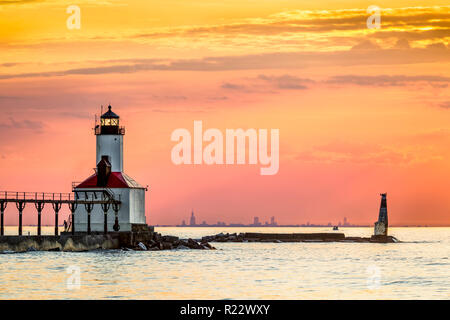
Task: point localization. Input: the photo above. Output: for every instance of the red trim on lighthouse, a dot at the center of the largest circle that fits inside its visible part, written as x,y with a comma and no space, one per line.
115,180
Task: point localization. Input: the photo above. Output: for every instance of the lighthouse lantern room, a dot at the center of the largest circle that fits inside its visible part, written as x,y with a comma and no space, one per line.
110,180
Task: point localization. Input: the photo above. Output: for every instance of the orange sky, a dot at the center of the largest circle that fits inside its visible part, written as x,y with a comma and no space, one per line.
360,111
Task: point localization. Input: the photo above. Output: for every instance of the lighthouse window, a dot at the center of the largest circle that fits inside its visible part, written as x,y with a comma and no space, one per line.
110,122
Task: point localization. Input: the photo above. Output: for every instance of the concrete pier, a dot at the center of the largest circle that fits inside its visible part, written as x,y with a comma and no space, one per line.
74,243
294,237
142,237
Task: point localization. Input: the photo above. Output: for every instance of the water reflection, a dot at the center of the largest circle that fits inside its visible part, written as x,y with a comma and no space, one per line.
409,270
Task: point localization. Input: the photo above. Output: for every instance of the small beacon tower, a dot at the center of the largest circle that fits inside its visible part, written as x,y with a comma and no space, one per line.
381,226
109,178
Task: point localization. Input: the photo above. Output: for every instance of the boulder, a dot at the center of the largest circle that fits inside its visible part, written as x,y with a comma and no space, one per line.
183,243
222,239
206,245
167,245
208,238
170,239
142,246
194,244
157,237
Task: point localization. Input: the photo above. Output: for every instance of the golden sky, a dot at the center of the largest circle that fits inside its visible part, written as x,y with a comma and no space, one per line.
360,111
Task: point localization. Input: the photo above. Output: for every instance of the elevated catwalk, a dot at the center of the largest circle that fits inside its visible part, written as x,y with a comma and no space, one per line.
104,198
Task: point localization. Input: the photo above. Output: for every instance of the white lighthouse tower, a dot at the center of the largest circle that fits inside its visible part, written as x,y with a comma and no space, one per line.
109,178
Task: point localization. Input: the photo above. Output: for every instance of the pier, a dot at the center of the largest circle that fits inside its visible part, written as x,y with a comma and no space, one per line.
104,197
88,227
296,237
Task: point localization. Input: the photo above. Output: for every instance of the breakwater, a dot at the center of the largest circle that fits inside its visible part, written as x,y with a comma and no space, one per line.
295,237
144,240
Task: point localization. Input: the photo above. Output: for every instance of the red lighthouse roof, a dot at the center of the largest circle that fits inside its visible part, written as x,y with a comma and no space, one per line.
115,180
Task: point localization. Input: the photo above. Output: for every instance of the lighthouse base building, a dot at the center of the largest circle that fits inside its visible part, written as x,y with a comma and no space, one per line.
110,182
123,188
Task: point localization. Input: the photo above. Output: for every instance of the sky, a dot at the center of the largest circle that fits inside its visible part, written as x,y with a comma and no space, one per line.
360,111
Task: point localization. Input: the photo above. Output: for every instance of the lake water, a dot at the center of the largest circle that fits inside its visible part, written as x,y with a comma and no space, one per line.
418,268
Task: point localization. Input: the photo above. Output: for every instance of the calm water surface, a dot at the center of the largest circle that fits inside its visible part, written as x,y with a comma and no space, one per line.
416,269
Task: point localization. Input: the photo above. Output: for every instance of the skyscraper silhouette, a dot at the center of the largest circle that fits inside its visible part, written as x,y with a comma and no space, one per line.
192,221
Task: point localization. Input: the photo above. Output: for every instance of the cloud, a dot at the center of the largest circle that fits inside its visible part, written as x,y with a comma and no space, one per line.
36,126
286,82
275,60
232,86
269,83
17,2
84,71
402,44
366,45
364,153
8,64
57,2
218,98
77,115
10,97
314,30
161,110
445,105
158,110
437,46
318,29
412,35
433,138
320,21
169,97
389,80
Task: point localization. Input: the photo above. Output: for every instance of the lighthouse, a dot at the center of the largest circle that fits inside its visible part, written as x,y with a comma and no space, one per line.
381,226
110,180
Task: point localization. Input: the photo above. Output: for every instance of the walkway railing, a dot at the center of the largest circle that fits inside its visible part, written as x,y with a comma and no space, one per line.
106,198
13,196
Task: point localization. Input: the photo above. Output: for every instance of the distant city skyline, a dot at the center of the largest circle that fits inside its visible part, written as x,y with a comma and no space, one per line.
258,223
